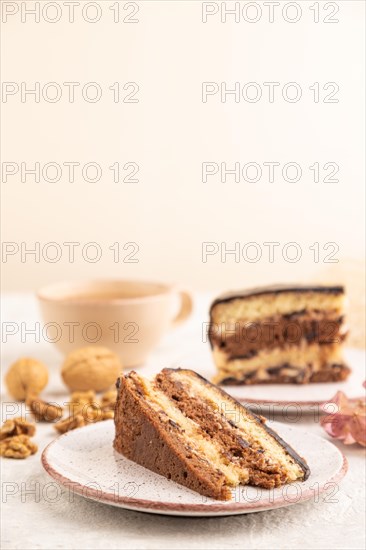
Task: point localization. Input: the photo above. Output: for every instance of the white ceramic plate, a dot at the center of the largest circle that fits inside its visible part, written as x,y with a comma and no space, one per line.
84,461
287,398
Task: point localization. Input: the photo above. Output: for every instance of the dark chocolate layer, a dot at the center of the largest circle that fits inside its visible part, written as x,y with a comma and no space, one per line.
250,338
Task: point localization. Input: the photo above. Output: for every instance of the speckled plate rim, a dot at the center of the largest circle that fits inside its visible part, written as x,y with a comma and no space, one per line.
271,402
179,509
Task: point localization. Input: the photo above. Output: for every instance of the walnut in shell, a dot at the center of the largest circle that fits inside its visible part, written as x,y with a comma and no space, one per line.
26,376
91,368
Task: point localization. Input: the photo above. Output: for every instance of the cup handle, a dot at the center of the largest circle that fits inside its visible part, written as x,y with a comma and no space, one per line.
186,307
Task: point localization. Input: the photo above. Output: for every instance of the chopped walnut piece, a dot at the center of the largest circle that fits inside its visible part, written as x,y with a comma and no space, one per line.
7,429
92,414
83,419
43,411
80,401
86,409
107,415
17,426
70,423
83,397
108,401
15,438
18,446
97,415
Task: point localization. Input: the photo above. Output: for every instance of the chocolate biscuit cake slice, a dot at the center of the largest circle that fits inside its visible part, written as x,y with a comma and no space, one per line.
279,334
184,428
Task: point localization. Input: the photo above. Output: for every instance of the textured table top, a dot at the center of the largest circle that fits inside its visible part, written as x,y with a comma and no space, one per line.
37,514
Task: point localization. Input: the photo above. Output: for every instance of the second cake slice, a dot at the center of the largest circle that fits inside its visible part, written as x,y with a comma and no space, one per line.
279,334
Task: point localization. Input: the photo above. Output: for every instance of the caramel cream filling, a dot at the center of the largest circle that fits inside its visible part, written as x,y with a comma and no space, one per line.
255,308
299,356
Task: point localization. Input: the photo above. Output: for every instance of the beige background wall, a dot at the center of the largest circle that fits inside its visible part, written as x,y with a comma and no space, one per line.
170,212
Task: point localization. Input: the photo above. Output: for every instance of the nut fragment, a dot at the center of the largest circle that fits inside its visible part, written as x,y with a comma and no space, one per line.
85,409
43,411
81,398
26,376
15,439
81,402
107,415
70,423
88,414
108,401
91,368
97,415
16,427
19,446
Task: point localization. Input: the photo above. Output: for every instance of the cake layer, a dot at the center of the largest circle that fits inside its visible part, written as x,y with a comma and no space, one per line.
267,302
299,364
244,437
247,339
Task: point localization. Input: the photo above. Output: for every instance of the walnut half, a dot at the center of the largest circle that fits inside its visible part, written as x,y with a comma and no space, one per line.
17,426
18,446
43,411
82,419
70,423
108,401
85,409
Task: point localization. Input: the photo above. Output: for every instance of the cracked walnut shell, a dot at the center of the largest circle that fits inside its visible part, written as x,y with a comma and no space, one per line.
26,376
91,368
